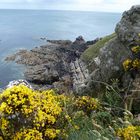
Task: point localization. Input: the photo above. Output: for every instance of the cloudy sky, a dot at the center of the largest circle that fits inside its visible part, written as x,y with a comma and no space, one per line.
82,5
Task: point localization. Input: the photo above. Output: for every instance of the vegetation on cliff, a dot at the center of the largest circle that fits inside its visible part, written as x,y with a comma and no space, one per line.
94,49
27,114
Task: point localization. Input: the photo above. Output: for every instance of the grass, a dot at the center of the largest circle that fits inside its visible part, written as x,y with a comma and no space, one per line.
93,50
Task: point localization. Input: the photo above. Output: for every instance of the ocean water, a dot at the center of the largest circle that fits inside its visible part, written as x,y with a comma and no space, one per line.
22,29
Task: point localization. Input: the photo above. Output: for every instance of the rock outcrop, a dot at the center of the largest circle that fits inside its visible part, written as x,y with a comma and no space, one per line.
113,53
128,28
58,64
80,74
51,64
18,82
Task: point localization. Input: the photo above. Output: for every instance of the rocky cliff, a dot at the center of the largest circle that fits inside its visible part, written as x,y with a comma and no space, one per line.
83,66
56,64
113,51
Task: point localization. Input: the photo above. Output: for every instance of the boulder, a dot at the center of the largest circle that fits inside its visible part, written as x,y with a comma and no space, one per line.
18,82
128,28
79,40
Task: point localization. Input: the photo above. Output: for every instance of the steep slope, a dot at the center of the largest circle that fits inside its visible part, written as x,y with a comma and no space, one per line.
105,58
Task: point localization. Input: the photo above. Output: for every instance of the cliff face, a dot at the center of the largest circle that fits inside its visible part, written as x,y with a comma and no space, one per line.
107,64
83,66
128,28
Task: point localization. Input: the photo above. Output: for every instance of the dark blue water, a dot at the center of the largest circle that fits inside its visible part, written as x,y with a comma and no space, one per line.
21,29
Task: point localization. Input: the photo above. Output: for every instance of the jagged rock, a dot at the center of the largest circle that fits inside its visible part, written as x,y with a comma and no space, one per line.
18,82
79,40
79,46
108,63
43,38
41,74
80,74
128,28
111,57
49,64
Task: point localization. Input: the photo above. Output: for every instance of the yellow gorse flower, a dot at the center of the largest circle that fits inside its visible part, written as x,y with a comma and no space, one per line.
127,64
4,123
131,64
52,133
129,133
136,63
22,107
87,103
135,49
28,134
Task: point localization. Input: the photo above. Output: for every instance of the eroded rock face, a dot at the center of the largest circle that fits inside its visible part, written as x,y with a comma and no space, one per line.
111,57
80,74
108,64
57,64
50,65
128,28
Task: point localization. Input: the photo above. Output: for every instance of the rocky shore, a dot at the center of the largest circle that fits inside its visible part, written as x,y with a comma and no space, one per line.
94,88
56,64
82,66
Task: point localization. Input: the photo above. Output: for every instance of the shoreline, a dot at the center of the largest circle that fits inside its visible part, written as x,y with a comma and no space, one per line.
50,65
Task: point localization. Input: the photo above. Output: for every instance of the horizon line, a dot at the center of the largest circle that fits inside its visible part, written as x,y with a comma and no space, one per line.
60,10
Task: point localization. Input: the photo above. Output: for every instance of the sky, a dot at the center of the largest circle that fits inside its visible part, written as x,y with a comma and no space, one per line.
80,5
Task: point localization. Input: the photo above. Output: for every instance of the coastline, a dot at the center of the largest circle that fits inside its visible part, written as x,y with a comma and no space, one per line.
51,65
76,90
36,24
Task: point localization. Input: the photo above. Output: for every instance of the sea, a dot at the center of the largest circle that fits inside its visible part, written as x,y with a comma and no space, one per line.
22,29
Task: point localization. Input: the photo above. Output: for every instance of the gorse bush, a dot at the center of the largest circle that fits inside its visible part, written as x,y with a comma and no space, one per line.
26,114
87,104
129,133
129,64
133,63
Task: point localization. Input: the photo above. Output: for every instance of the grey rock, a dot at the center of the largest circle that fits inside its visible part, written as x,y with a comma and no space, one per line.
79,40
61,42
93,41
18,82
108,64
111,58
49,64
129,27
79,75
